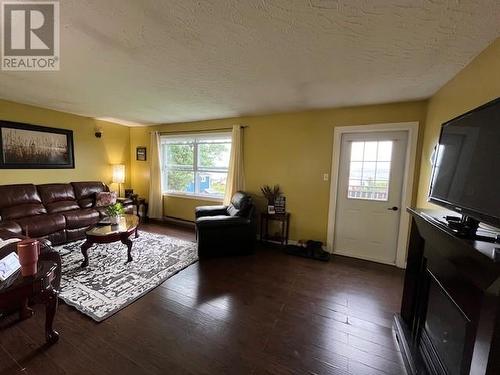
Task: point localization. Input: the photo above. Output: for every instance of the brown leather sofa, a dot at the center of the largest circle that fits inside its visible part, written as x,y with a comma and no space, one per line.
59,213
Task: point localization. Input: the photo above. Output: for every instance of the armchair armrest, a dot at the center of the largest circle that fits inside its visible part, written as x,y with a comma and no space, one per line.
203,211
221,222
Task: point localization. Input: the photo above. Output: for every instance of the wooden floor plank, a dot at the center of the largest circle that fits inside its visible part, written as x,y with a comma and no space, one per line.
267,313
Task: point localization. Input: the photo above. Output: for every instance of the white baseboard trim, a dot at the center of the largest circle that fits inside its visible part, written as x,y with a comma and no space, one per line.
346,254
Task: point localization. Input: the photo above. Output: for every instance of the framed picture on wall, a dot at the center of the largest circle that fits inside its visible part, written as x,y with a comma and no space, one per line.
25,146
141,153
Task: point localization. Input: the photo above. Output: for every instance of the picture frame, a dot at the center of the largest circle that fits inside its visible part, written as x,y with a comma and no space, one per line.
280,205
26,146
141,154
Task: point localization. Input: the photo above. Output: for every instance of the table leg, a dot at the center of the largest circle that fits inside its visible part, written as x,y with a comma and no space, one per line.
128,242
26,312
282,239
266,228
87,245
261,228
51,336
287,229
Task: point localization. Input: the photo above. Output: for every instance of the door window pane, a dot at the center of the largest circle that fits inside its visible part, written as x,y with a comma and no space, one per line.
384,152
356,170
357,149
370,151
369,170
383,170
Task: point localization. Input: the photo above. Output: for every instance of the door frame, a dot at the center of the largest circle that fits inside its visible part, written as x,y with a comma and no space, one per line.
408,180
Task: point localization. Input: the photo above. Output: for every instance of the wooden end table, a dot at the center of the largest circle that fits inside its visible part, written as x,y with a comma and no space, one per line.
138,202
17,290
284,219
111,233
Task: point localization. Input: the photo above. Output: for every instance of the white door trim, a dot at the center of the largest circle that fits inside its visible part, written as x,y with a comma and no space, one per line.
408,179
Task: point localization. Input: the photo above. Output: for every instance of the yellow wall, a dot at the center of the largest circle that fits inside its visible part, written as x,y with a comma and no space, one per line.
476,84
293,150
93,156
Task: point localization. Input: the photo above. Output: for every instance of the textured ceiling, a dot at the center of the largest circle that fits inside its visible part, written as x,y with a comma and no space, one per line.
154,61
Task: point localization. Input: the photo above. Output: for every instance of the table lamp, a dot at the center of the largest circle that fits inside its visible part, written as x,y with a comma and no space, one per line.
119,175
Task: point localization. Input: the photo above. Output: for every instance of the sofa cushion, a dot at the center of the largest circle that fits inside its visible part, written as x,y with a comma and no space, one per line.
62,206
86,191
86,202
23,210
58,197
56,192
42,225
18,201
81,218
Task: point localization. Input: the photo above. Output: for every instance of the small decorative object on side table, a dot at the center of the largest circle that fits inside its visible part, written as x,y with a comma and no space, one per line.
271,193
17,290
284,219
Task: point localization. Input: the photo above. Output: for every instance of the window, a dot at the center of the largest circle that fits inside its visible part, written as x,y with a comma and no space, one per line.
195,164
369,170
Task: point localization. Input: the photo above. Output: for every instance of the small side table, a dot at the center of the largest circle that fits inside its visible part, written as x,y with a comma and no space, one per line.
284,219
17,290
138,202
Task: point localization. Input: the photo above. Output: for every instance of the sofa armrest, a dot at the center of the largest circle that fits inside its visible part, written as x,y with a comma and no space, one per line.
221,222
203,211
125,201
10,226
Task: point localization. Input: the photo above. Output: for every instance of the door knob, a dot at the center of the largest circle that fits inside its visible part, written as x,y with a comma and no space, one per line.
393,208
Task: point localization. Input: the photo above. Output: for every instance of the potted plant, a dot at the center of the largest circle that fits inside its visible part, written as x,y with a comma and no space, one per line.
114,211
271,193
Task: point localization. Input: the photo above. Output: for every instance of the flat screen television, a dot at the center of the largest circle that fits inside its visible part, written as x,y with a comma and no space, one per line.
466,165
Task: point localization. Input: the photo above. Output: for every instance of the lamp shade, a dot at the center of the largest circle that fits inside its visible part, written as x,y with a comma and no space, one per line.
118,173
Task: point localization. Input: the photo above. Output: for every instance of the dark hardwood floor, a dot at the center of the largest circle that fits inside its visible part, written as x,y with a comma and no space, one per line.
268,313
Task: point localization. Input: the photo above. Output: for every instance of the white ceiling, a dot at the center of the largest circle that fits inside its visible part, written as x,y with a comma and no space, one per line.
154,61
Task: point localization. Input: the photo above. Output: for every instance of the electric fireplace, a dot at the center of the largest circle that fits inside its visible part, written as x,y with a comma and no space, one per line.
450,312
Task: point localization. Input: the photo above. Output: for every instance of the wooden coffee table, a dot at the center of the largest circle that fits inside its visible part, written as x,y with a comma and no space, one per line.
111,233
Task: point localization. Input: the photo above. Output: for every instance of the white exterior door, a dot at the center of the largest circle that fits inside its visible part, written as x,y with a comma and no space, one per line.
371,173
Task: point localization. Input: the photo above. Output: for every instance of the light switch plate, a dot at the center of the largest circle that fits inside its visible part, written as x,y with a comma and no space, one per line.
325,177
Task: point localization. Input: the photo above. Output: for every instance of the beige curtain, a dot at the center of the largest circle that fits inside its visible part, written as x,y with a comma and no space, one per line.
155,193
235,175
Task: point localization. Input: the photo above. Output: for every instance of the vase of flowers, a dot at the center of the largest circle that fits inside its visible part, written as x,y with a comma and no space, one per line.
270,193
114,212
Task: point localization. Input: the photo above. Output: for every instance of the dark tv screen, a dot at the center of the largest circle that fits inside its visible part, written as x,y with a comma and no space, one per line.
466,173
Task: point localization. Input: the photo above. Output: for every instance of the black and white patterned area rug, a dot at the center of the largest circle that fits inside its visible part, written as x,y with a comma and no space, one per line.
109,284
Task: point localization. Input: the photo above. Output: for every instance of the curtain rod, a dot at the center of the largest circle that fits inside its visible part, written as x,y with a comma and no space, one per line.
199,131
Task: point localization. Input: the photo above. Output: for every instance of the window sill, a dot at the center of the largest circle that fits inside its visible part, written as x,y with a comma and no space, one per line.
194,196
